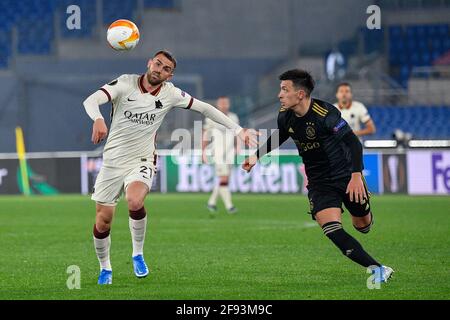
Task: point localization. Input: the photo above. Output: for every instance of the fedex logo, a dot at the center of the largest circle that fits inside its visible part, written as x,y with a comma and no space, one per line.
428,172
440,172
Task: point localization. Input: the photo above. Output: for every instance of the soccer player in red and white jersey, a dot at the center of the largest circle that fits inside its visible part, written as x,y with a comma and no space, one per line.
139,105
354,112
225,147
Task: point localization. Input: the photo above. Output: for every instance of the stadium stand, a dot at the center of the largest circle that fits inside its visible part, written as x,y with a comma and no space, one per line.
37,28
34,21
414,46
423,122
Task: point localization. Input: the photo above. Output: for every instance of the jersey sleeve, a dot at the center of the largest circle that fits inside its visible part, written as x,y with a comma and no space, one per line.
335,124
180,99
208,124
364,116
116,88
235,118
281,134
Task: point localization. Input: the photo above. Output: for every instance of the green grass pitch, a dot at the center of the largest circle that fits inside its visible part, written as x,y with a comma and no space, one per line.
270,250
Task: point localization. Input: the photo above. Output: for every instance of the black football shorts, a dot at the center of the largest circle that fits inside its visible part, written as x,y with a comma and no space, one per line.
332,195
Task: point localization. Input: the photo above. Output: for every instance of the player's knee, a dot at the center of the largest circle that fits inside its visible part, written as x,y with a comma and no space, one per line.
102,225
134,204
364,225
364,229
103,220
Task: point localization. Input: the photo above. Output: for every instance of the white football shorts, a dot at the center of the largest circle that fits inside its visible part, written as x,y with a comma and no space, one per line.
222,169
112,181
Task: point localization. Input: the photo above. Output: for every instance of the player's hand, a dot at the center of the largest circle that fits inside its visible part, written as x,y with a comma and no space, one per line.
204,158
249,137
249,163
99,131
356,189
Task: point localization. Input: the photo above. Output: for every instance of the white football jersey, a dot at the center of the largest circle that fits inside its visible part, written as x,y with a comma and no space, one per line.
355,115
222,144
136,115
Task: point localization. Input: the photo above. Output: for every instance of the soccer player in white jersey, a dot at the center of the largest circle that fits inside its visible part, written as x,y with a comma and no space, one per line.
224,147
354,112
139,105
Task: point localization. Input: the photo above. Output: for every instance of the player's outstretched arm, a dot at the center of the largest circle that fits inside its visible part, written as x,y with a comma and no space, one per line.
91,105
249,163
280,136
249,136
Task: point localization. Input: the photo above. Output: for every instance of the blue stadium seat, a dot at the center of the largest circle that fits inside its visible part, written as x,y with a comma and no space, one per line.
5,46
424,122
416,45
160,4
118,9
395,31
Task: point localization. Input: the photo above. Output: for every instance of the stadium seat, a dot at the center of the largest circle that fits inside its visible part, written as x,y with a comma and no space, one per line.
118,9
416,45
424,122
160,4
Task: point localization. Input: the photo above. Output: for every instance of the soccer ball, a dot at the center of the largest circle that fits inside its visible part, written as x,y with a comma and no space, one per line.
123,35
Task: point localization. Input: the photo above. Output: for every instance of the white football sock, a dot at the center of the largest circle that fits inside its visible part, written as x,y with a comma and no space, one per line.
102,250
137,229
225,193
213,199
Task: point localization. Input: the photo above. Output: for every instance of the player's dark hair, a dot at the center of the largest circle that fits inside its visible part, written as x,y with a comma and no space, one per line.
168,55
343,84
301,79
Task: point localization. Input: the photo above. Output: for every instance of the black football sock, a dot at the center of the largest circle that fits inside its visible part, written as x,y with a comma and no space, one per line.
348,245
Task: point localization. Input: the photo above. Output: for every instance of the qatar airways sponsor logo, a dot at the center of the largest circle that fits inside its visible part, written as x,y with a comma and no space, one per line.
143,118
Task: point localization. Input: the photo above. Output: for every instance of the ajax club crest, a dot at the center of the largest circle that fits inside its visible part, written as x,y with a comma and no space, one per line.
310,131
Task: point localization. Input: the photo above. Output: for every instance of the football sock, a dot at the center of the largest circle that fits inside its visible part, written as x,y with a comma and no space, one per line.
225,194
138,225
348,245
366,229
213,198
102,243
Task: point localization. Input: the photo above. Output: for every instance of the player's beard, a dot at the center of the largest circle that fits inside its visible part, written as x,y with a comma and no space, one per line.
153,82
346,102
